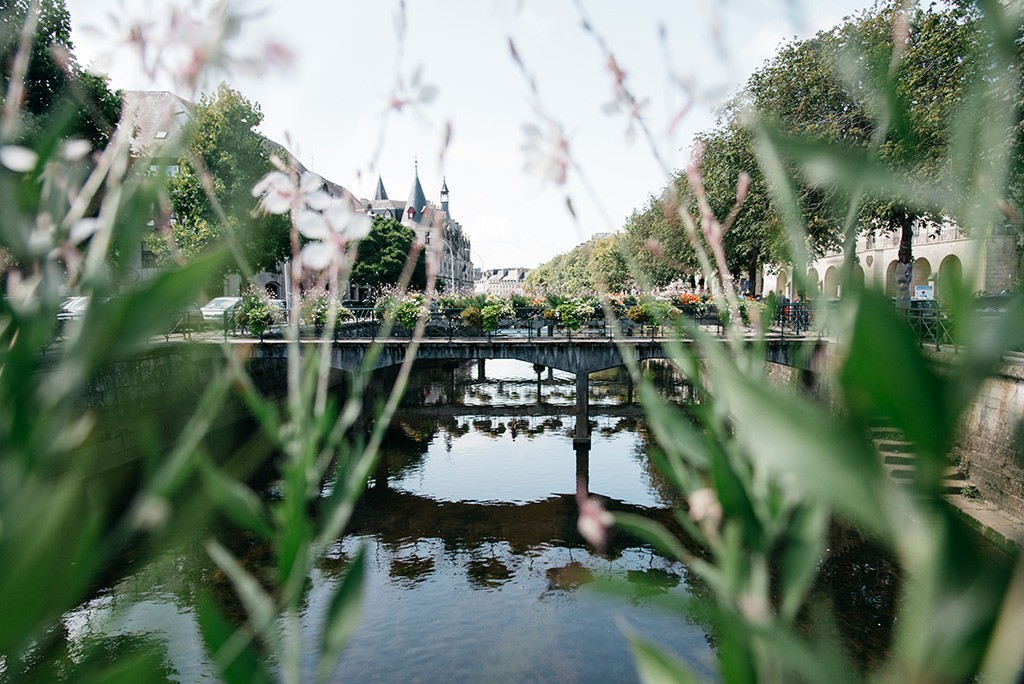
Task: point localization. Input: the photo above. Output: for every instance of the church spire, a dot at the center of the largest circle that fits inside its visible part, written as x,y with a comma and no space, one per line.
380,193
444,194
417,200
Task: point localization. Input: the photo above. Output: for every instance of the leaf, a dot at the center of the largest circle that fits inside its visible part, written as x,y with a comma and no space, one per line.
229,648
258,604
343,614
886,375
677,437
799,443
801,557
655,666
652,532
238,501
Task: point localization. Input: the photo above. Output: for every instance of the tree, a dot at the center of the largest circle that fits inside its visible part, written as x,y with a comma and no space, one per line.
383,253
656,240
755,237
57,91
583,269
608,264
839,87
225,146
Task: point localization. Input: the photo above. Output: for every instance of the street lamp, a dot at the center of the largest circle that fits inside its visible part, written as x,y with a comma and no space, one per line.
451,263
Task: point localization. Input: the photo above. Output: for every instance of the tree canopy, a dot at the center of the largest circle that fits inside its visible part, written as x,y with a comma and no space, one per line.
852,90
583,269
383,253
225,147
58,93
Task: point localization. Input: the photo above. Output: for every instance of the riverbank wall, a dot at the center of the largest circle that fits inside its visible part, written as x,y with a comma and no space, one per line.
990,444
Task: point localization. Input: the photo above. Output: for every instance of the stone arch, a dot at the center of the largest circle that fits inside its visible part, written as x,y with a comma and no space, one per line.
782,284
830,287
922,273
890,279
813,285
950,276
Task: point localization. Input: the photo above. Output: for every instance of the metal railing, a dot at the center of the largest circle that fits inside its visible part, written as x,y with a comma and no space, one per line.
791,318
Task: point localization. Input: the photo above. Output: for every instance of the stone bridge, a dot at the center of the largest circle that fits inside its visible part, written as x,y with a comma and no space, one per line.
580,357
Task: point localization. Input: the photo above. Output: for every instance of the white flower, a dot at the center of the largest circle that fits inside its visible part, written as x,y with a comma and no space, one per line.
276,191
75,150
181,40
17,158
328,222
594,522
705,506
82,229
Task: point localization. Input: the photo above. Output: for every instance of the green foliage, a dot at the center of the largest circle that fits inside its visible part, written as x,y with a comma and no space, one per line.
256,313
494,311
383,254
316,306
596,263
472,317
638,314
764,468
574,313
656,240
226,148
404,308
57,96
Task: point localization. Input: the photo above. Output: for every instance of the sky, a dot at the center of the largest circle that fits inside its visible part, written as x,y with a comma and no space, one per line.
469,105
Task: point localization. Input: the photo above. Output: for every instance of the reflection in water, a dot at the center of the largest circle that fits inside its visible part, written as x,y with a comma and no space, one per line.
475,568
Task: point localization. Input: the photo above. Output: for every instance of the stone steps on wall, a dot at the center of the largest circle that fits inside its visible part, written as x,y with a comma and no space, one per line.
898,458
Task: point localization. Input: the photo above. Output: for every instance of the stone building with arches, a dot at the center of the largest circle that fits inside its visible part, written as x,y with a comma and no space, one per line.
942,254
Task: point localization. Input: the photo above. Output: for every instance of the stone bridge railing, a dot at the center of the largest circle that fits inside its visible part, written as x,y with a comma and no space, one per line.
579,356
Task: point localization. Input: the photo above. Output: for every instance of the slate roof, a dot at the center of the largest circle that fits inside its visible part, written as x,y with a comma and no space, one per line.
417,200
155,117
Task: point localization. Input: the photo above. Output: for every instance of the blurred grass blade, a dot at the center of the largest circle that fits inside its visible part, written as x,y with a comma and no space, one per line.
886,375
803,552
677,437
655,666
652,532
342,614
228,646
798,442
240,503
258,604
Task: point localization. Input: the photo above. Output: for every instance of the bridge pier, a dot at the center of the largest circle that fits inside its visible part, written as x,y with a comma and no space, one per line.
581,436
538,368
582,470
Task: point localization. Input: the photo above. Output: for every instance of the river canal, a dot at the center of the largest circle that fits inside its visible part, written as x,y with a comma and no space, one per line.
476,571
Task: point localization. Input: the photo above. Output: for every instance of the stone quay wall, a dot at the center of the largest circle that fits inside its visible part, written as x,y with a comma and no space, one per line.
991,439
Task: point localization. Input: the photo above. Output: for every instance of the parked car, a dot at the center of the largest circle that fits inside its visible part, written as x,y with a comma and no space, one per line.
215,310
72,309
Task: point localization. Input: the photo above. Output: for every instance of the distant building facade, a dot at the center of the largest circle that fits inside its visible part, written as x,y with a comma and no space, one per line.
943,253
501,282
450,257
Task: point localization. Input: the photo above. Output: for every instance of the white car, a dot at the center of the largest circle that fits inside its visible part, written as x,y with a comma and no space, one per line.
215,309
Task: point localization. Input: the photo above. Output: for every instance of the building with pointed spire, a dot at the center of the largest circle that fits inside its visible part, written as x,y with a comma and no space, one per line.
432,222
